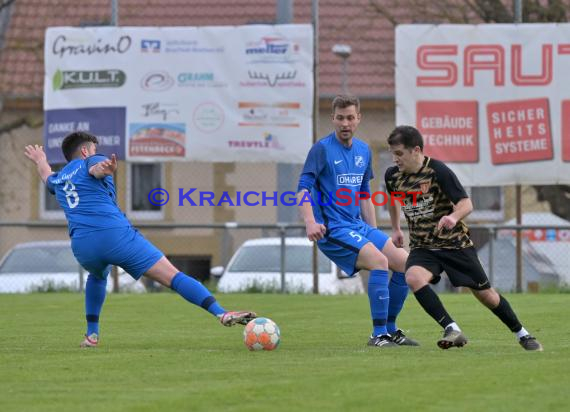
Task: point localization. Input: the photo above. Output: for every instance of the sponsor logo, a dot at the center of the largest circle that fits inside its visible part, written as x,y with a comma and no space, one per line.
255,115
77,79
157,81
189,46
359,161
272,50
177,46
265,79
337,162
161,110
349,179
165,140
263,114
150,46
272,79
199,79
208,117
268,141
62,46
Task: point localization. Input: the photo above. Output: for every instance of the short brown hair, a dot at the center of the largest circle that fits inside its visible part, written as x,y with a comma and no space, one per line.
74,141
343,101
407,136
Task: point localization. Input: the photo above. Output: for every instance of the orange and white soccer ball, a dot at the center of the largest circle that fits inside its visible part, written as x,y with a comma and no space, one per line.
261,334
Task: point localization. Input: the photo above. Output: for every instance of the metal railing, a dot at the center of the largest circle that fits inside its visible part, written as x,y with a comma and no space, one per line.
488,244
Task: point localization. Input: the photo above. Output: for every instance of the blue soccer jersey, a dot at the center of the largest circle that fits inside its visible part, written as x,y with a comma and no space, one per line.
334,174
89,203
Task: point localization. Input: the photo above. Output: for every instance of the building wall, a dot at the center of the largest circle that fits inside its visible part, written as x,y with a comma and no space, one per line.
19,189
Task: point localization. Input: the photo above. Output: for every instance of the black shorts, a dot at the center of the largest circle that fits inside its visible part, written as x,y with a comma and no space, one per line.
462,266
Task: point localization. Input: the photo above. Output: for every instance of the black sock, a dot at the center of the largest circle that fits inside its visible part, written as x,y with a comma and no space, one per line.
504,312
433,306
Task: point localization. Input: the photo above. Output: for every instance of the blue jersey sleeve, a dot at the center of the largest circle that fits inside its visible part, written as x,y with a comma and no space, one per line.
49,183
368,175
93,160
315,163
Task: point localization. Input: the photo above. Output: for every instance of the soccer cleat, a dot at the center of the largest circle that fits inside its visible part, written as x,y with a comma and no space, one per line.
90,341
529,342
384,341
231,318
452,338
399,338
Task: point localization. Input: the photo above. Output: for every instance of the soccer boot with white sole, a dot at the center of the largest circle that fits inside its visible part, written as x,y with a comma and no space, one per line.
399,338
529,342
452,338
231,318
382,341
90,341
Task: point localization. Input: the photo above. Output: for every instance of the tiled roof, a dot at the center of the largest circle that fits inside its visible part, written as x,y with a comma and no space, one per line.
371,65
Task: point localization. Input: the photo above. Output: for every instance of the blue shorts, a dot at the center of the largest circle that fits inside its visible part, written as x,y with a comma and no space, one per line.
124,247
342,245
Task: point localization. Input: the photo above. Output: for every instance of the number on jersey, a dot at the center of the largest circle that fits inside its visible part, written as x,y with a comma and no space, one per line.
70,194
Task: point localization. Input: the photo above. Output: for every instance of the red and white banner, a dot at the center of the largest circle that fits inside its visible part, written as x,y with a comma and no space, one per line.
492,101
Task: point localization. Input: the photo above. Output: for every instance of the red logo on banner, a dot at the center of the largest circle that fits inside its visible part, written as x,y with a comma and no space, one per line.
519,131
449,129
566,130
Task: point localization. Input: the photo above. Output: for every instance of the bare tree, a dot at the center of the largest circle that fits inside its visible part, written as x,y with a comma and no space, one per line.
469,11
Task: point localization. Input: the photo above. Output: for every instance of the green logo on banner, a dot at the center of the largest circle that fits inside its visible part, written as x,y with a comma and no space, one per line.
77,79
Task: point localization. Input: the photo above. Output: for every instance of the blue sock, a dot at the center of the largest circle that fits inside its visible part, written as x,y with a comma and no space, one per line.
379,298
398,293
95,291
194,292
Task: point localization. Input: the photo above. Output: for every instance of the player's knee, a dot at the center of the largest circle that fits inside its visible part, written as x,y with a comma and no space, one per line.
415,279
489,297
378,261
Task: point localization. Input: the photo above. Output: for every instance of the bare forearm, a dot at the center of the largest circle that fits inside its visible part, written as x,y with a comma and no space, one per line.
305,208
462,209
394,211
367,211
44,170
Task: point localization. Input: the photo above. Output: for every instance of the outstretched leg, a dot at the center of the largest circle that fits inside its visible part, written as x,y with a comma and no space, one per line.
194,292
503,310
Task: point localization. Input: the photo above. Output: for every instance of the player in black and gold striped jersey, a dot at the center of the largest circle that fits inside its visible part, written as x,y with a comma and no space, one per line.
439,238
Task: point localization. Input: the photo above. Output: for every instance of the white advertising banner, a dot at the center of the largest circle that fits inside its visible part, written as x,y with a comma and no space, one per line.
182,93
492,101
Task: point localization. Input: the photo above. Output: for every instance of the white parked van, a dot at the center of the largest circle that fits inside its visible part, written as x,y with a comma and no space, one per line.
256,267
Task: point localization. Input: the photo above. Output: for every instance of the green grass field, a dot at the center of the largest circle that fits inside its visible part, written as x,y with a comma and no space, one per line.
159,353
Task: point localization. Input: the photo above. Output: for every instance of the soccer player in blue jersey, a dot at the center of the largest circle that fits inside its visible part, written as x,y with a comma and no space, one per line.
339,168
101,235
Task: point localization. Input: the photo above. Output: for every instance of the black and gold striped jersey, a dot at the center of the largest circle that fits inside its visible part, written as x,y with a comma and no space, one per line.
440,190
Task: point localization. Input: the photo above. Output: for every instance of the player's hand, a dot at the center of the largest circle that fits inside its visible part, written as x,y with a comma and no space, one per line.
35,153
398,238
447,222
106,167
315,231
